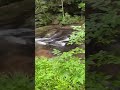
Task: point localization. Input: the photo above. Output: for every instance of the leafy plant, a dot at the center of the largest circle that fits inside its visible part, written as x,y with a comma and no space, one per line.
68,19
98,81
42,16
47,11
82,6
101,29
56,52
60,75
108,14
103,57
78,36
16,82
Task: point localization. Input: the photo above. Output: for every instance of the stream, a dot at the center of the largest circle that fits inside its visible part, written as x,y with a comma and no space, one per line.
18,47
53,38
56,38
16,52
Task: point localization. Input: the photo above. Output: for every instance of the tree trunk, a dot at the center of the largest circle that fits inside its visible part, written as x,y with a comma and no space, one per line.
62,3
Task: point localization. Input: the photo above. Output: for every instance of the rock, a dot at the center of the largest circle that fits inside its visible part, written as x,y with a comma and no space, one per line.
44,53
50,33
55,22
42,31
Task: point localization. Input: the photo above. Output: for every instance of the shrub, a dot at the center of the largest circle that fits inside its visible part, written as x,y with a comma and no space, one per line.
42,16
56,74
68,19
16,82
78,36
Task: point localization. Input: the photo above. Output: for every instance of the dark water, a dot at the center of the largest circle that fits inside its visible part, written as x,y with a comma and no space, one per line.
17,50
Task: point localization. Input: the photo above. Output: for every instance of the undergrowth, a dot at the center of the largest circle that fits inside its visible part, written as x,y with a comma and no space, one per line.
16,81
57,74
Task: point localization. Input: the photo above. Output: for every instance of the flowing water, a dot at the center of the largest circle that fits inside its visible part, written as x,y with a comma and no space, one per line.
16,50
54,39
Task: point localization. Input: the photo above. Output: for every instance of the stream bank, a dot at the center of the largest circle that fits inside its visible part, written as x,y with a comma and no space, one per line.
52,37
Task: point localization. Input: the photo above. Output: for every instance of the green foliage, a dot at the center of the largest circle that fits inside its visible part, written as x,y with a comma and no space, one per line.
108,15
116,83
42,16
70,55
82,6
43,19
98,81
103,57
47,11
16,82
66,71
103,33
63,72
56,52
102,28
56,74
68,19
78,36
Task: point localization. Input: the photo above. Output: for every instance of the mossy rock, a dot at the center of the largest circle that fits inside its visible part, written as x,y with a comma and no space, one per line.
46,31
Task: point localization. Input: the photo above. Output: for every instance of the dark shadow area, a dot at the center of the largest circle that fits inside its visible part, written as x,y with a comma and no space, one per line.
17,47
102,45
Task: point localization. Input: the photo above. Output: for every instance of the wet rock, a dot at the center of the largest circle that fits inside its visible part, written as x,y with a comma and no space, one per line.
50,33
44,53
42,31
